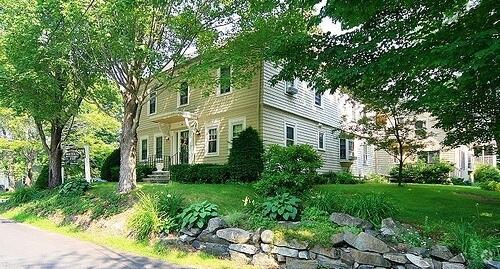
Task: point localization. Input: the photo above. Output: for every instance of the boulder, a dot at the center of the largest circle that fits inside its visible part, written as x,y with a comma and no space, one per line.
186,239
280,258
369,258
191,232
419,251
458,258
264,261
328,252
492,264
389,227
325,262
266,247
366,266
267,236
292,263
346,257
436,264
417,261
256,237
343,219
292,243
304,254
343,238
234,235
441,252
212,248
395,257
244,248
453,265
239,257
205,236
366,242
284,251
215,224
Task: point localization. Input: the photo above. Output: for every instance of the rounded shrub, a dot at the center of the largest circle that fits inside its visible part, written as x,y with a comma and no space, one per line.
246,156
281,207
74,187
42,181
484,173
110,169
24,195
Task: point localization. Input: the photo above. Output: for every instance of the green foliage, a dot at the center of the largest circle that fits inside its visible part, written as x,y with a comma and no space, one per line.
170,204
289,170
143,171
198,214
24,195
490,185
323,201
376,178
373,207
42,181
74,187
110,169
246,156
314,214
413,238
249,220
199,173
281,207
145,222
460,181
484,172
344,177
420,172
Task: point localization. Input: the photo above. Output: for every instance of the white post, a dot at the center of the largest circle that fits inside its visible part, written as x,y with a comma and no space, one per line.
87,164
62,174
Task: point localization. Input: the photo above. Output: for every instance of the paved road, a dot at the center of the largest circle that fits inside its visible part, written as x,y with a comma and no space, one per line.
22,246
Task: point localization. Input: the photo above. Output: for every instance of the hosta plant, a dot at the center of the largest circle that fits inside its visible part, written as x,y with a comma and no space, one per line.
281,207
75,187
198,214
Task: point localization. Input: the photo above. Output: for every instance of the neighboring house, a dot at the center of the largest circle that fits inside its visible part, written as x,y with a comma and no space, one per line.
185,126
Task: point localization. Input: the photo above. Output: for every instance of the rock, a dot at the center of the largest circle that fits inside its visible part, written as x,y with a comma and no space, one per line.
234,235
280,258
256,237
191,232
458,258
348,220
492,264
205,236
369,258
264,261
330,253
343,238
292,243
215,224
437,264
399,266
366,266
292,263
346,257
411,266
244,248
212,248
366,242
186,238
395,257
325,262
417,261
265,247
389,227
284,251
441,252
419,251
169,240
452,265
267,236
304,254
239,257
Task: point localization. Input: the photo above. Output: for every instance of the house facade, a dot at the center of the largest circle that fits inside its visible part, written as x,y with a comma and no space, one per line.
186,126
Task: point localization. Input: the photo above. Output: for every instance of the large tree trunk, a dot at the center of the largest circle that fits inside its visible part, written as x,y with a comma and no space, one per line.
55,156
128,144
28,180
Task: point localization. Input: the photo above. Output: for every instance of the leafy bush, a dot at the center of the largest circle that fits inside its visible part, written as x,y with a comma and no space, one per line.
143,171
420,172
460,181
281,207
74,187
314,214
485,173
24,195
110,169
289,170
245,158
145,222
372,207
170,204
344,177
199,173
42,181
198,214
376,178
490,185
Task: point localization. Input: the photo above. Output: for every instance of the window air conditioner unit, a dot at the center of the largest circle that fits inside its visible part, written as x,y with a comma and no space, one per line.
291,90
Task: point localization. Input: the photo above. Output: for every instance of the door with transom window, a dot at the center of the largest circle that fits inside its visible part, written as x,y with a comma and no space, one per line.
183,147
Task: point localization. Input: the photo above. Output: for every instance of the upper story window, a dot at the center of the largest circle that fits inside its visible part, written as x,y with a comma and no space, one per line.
152,102
321,140
184,94
225,80
290,134
420,125
290,87
212,145
144,149
318,98
365,154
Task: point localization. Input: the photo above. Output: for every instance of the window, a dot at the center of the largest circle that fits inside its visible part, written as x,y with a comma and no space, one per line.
469,161
343,149
159,147
152,102
321,140
462,160
236,126
184,94
212,141
419,125
144,149
289,134
289,83
318,96
429,156
225,80
351,148
365,154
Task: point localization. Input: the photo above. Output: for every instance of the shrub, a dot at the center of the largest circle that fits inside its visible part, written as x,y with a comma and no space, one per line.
245,158
42,181
74,187
145,222
110,169
199,173
376,178
143,171
460,181
490,185
485,173
281,207
198,214
289,170
314,214
344,177
324,201
373,207
24,195
420,172
170,204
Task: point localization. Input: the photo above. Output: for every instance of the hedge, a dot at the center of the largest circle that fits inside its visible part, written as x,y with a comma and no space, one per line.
199,173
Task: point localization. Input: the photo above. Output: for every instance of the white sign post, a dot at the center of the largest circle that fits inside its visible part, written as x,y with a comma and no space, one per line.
87,164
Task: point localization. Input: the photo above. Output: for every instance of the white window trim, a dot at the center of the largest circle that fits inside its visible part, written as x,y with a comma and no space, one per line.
147,147
324,140
218,93
314,100
149,104
208,127
179,97
232,122
294,84
162,146
294,125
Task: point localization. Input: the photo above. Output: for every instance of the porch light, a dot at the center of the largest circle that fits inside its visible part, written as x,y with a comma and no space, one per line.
197,132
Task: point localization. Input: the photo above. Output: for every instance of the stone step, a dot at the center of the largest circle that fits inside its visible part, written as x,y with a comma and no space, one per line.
156,179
